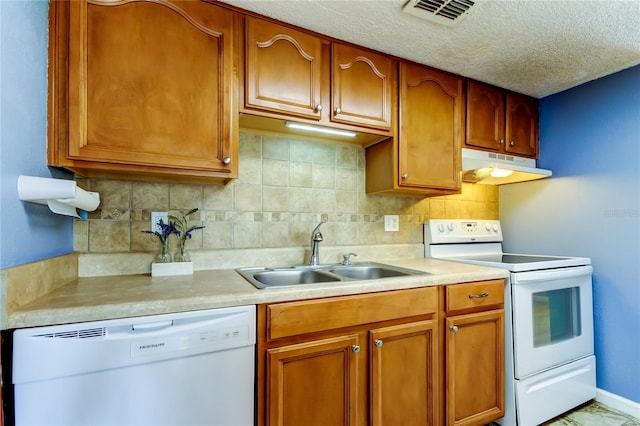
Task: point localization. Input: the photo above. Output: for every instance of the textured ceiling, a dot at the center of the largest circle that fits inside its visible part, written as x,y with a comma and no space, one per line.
536,47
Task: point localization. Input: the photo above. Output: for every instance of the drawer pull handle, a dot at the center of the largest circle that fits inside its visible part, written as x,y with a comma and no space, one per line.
454,328
378,343
355,348
479,296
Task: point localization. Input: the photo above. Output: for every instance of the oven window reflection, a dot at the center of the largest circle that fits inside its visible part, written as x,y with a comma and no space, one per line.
556,316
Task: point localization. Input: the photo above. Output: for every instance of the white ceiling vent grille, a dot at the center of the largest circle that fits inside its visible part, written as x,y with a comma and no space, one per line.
445,12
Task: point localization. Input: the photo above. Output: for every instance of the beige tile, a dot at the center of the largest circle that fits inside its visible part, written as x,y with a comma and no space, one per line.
247,234
452,209
324,201
275,234
345,233
217,197
141,241
113,193
250,171
275,172
150,196
346,179
436,208
247,197
250,145
299,233
81,236
346,202
324,176
275,199
300,174
182,196
108,236
492,193
301,151
347,156
300,200
324,153
217,235
368,204
276,148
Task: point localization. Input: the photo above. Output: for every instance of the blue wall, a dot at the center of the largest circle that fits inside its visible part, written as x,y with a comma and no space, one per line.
590,139
28,231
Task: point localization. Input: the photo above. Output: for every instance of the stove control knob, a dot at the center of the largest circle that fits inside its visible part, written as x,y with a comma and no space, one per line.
441,227
450,226
487,226
495,227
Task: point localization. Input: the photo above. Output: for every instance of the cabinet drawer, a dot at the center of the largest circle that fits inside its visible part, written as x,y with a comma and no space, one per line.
308,316
474,295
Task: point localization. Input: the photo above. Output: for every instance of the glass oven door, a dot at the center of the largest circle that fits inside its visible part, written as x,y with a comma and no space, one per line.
552,318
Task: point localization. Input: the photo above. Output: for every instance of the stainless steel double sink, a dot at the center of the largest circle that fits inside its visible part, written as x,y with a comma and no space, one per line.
305,274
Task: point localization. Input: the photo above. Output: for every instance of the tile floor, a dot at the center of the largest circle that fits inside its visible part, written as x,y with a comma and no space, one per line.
592,414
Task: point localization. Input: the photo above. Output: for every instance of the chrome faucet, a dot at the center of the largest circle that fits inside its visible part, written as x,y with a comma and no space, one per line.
316,238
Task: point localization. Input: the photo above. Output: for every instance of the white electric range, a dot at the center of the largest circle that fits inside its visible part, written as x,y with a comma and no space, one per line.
549,349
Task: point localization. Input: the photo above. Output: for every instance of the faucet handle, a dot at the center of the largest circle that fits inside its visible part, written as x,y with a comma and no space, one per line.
346,261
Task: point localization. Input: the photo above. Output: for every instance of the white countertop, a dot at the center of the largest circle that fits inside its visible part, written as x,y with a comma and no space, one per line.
99,298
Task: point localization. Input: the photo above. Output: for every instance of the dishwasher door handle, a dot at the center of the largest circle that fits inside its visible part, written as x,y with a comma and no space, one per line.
152,326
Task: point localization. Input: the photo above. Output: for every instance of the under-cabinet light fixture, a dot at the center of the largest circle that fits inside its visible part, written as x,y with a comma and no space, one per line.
500,173
319,129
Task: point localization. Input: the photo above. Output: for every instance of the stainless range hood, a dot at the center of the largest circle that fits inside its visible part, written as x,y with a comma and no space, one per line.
498,169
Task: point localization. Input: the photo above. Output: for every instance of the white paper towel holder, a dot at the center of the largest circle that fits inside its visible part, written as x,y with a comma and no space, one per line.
62,196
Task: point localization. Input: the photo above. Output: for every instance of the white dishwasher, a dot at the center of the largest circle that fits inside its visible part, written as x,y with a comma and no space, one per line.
189,368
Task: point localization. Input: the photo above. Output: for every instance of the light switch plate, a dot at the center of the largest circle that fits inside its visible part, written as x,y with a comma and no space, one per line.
155,220
391,222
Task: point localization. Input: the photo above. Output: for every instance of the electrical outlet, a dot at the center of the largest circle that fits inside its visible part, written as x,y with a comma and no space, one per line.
391,222
155,220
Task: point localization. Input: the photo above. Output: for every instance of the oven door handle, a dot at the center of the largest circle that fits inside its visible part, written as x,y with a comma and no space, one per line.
479,296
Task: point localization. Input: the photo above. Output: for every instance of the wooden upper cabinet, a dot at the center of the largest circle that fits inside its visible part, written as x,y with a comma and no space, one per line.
151,89
291,74
521,131
283,69
431,128
501,121
485,116
362,87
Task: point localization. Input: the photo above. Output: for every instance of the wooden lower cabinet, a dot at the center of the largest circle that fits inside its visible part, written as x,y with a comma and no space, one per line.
315,383
403,374
474,353
381,359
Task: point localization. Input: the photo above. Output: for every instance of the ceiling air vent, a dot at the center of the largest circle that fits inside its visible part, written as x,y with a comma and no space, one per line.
445,12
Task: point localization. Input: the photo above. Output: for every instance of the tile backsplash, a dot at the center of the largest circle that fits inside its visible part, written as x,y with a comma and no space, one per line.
284,189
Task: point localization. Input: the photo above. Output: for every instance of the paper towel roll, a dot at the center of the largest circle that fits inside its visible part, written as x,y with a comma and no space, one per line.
62,196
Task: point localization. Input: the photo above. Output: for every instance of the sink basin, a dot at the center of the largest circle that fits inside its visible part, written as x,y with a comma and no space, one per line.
369,272
302,275
292,277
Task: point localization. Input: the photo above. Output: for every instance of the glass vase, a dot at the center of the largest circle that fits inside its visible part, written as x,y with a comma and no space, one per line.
182,255
164,256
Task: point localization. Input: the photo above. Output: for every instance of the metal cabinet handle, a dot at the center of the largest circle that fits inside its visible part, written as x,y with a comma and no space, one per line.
226,160
355,348
378,343
319,107
479,296
501,142
512,143
338,111
454,328
405,176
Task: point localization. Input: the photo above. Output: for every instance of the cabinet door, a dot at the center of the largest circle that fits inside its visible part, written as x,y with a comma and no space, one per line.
283,70
315,383
362,87
485,117
151,85
432,128
475,368
403,374
522,125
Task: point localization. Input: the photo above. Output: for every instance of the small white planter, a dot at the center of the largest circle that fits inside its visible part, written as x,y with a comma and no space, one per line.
172,268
